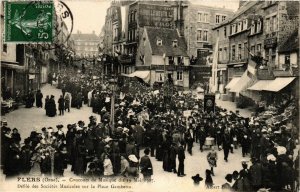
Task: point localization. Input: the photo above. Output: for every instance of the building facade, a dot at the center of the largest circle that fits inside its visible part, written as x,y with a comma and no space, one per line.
162,56
199,21
248,48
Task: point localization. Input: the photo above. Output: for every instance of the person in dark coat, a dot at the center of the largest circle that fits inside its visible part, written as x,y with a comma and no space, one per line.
227,144
227,186
61,105
245,142
51,107
208,180
60,161
47,104
15,136
255,172
25,157
173,154
12,167
181,157
189,140
146,165
38,98
46,164
67,102
202,137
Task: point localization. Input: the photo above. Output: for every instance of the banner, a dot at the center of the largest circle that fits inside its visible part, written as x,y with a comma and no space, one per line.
209,103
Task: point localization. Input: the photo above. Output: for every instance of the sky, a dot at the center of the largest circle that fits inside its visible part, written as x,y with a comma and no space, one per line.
89,15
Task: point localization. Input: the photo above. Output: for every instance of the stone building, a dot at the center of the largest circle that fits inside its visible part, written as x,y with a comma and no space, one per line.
249,55
198,23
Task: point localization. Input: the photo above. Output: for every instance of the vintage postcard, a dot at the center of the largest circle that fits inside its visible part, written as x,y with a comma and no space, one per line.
130,96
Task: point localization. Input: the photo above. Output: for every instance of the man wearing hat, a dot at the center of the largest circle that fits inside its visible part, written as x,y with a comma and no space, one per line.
227,186
181,157
146,165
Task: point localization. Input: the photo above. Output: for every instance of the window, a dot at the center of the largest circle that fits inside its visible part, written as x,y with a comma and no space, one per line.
175,43
220,53
225,53
171,60
223,18
252,29
253,49
159,42
4,48
239,51
258,47
246,50
225,32
202,17
275,23
268,24
258,26
217,18
179,60
245,24
159,76
233,52
205,35
199,35
179,76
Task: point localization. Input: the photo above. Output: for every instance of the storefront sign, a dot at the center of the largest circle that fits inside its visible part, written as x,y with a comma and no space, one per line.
270,43
31,77
156,16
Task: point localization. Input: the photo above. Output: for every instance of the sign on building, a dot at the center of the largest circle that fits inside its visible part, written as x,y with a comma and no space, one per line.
156,16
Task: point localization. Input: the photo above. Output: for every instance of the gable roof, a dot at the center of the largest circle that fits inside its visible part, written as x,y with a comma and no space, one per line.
167,36
85,37
291,44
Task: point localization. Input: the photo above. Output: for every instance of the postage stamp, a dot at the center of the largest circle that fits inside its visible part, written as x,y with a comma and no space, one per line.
28,21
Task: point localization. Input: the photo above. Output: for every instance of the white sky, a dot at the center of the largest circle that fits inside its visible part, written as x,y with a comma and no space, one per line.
89,15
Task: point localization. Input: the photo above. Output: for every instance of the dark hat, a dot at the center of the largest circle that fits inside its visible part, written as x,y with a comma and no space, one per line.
197,178
228,177
59,126
147,151
208,172
69,126
235,174
80,122
44,129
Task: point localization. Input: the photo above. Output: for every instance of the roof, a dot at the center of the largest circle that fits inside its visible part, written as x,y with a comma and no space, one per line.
239,12
85,37
167,36
291,44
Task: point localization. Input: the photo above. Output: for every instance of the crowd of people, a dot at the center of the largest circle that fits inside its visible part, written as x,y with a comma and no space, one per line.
143,119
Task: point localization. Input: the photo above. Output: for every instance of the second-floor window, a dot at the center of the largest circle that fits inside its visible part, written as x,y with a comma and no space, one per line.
202,35
233,52
223,18
240,52
179,76
225,32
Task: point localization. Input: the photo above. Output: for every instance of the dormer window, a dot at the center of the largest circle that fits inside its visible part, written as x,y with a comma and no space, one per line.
159,42
252,29
175,43
258,26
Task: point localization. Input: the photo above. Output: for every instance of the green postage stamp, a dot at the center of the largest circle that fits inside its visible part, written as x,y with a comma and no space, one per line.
28,21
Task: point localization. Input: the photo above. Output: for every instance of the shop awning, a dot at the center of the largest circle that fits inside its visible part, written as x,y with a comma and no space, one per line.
260,85
145,75
279,83
241,84
232,82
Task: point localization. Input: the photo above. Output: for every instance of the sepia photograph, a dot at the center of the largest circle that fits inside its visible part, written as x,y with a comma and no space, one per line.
154,95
